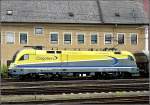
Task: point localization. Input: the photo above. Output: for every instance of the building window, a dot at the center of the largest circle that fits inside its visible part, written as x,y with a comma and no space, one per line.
108,38
67,38
54,38
93,38
39,30
9,12
134,39
10,37
80,38
121,38
23,38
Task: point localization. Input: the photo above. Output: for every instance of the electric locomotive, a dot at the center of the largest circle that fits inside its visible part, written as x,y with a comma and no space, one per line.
33,63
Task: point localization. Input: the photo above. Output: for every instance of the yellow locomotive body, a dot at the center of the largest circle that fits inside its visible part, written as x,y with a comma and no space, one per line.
31,61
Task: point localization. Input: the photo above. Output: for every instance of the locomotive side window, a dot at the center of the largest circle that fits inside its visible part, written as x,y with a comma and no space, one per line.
25,57
51,52
58,52
130,58
117,52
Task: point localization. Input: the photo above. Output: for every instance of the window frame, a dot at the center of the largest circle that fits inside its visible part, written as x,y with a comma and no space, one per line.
111,39
64,38
6,37
124,38
35,31
93,33
57,38
136,39
80,33
20,37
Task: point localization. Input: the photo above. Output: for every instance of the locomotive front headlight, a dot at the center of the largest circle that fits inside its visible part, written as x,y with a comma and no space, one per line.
12,65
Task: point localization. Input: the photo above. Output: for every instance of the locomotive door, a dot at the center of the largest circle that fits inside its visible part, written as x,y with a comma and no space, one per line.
64,60
58,56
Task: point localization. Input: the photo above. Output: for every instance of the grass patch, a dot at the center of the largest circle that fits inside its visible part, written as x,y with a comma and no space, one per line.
4,71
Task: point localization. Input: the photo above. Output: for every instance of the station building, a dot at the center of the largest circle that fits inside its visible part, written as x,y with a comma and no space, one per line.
72,25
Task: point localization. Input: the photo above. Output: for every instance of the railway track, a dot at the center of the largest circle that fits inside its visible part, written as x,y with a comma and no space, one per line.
125,100
84,86
67,79
96,101
80,99
76,92
12,82
67,90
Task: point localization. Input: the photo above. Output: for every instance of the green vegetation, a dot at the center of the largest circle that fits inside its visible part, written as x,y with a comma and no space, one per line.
4,71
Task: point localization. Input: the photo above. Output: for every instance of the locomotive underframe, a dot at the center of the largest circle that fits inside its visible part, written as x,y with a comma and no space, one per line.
78,72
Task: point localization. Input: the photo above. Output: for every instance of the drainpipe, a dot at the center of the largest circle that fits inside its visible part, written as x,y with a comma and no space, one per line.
146,50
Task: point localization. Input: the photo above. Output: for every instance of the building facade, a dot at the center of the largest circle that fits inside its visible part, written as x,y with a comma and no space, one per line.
72,25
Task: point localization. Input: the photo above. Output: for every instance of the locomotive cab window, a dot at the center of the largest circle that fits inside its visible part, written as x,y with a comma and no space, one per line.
130,58
24,57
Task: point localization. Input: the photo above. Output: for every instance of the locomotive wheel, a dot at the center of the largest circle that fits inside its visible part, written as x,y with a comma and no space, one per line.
35,77
25,77
21,77
56,77
125,75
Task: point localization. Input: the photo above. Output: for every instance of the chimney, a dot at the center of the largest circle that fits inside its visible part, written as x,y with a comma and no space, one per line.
146,6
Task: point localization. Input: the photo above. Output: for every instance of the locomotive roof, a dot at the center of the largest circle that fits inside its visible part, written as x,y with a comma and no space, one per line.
34,51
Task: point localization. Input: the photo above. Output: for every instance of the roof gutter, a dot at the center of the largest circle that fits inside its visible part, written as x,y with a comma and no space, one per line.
3,22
